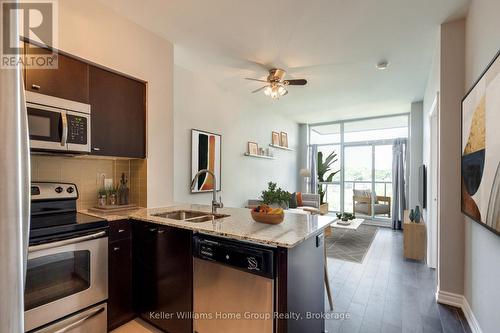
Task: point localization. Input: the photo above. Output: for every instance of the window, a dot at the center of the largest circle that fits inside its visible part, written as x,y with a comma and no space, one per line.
364,152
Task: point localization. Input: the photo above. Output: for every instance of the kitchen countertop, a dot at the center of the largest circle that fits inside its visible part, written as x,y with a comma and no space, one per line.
238,225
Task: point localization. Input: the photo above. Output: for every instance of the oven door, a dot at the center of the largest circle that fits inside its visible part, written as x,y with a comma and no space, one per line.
47,127
64,277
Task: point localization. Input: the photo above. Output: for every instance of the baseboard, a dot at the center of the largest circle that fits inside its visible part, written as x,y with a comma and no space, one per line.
448,298
471,319
459,301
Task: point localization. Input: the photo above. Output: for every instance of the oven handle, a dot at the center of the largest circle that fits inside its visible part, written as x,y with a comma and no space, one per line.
65,242
81,320
64,138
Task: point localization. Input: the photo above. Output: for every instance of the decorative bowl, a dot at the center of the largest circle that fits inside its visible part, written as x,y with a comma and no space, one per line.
268,218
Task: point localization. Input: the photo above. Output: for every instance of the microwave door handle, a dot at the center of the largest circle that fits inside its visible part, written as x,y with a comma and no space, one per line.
64,138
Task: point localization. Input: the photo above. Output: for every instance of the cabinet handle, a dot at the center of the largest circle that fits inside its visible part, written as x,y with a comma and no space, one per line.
117,248
161,231
121,230
96,149
35,86
152,229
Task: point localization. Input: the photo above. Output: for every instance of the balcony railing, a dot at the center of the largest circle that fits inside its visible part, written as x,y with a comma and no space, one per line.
336,197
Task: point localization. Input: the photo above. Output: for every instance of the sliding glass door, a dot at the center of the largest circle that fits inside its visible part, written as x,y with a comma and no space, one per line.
363,184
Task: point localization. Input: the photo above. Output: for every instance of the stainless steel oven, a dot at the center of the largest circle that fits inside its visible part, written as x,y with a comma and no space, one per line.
56,124
65,276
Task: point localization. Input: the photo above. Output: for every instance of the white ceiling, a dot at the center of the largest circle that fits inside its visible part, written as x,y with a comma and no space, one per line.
334,44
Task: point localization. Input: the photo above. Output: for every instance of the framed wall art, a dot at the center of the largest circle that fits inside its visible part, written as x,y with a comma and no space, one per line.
206,154
481,149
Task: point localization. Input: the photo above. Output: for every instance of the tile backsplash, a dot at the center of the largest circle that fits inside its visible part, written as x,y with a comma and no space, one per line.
86,173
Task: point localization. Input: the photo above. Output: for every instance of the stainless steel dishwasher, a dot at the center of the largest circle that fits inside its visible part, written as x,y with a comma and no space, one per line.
233,286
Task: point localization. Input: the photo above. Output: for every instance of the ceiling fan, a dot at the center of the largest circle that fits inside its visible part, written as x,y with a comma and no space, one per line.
275,85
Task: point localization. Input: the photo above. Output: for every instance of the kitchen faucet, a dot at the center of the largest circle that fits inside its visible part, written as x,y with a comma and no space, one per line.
215,204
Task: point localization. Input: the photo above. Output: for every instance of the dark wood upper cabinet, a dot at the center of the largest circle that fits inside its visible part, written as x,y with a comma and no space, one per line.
69,81
118,108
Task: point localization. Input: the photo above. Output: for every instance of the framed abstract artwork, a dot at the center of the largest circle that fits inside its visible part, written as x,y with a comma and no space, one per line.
206,154
481,149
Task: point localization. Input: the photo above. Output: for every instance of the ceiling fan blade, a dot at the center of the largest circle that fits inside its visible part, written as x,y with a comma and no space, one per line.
259,80
257,90
295,82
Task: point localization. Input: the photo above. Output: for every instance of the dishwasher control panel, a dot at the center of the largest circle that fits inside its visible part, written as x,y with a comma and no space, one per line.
251,258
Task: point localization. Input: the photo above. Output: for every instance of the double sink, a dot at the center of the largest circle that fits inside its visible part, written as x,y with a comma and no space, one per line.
191,216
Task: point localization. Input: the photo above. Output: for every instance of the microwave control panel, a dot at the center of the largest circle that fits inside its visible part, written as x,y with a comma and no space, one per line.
77,129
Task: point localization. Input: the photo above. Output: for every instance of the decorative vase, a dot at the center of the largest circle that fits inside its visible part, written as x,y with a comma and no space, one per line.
417,214
123,191
411,216
101,200
112,199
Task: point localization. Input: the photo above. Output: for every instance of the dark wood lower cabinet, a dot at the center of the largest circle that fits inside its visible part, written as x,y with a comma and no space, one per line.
163,271
120,302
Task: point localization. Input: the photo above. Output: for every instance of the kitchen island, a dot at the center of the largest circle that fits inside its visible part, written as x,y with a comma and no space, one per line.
163,267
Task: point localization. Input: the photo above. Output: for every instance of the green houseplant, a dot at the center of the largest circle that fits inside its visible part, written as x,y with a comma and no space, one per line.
324,166
274,195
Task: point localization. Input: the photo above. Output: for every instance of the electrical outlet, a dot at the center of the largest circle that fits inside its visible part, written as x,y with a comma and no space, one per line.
108,182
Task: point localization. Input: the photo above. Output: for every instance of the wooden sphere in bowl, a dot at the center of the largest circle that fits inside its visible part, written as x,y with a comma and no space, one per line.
268,218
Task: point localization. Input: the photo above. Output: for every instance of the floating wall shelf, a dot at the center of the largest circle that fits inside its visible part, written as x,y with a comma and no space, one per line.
259,156
280,147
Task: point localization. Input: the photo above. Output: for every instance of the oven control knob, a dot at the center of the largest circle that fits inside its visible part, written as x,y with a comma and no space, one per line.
59,189
70,189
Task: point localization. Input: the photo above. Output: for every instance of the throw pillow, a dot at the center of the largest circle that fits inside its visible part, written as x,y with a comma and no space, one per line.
293,201
299,199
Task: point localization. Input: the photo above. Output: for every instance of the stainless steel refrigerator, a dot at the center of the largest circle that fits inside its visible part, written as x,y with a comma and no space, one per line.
14,197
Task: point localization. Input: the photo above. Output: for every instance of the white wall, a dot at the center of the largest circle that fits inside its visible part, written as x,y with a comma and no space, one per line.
92,31
416,132
482,247
200,103
447,78
451,228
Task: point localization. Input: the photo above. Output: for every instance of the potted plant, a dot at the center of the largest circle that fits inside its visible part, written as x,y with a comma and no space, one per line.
275,196
101,196
112,195
324,166
346,216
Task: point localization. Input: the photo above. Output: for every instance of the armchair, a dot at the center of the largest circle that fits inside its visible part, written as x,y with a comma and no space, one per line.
362,202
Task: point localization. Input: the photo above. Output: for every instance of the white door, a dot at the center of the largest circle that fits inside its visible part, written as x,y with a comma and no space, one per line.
432,185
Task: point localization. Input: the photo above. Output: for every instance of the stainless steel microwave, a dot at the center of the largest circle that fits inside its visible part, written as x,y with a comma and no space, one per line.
57,124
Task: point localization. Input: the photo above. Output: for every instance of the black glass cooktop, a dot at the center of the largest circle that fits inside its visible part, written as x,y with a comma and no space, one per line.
54,226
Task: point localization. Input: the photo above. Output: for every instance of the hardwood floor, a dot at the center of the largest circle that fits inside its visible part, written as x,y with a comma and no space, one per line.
387,293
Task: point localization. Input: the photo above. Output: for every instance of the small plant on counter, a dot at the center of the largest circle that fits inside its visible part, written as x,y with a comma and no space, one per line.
275,195
112,192
102,194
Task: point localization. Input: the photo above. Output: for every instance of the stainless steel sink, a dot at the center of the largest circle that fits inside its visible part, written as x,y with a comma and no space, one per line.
206,218
190,216
181,214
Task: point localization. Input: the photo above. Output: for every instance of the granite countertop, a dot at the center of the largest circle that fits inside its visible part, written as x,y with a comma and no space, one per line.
238,225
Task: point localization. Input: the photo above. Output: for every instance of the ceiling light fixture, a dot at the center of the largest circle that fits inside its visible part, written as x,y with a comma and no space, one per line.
382,65
276,86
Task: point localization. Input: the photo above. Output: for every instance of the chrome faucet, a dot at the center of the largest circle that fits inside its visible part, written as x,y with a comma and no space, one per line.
215,204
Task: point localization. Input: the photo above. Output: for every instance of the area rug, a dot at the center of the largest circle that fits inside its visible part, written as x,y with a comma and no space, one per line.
350,245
